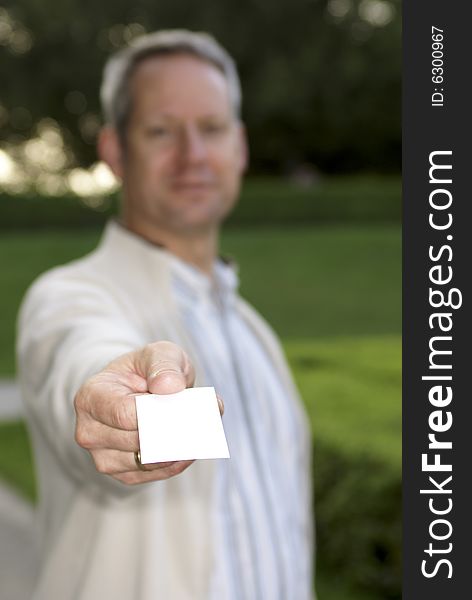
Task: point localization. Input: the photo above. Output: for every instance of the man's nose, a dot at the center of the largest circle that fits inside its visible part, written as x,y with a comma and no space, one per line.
193,145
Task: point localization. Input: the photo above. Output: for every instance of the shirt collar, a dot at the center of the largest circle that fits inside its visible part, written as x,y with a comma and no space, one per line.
223,282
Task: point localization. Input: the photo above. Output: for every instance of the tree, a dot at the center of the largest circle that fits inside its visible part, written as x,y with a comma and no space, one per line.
321,77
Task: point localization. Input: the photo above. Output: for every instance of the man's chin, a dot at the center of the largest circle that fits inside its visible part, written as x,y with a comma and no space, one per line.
198,223
201,208
199,218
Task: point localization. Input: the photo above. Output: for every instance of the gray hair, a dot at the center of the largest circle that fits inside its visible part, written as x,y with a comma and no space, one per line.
115,91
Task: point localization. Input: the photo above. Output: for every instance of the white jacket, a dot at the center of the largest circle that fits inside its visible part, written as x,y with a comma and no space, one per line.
93,530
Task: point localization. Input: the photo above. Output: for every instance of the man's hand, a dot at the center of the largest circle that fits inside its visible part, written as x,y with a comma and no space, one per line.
106,411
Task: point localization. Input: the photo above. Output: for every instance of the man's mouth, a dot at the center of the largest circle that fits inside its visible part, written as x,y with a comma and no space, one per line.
182,186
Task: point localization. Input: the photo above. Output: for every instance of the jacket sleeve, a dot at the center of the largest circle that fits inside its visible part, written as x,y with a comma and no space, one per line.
69,328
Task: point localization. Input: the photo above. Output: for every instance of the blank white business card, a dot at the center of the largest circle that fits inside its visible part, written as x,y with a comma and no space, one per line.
182,426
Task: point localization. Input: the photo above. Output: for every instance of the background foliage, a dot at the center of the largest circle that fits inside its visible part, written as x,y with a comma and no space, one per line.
321,78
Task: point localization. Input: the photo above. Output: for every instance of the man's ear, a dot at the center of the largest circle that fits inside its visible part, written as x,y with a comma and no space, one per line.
110,150
243,148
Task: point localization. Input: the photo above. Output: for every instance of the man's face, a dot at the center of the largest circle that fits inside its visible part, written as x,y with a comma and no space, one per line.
185,151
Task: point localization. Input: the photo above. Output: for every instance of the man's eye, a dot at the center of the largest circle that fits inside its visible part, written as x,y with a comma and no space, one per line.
159,131
213,128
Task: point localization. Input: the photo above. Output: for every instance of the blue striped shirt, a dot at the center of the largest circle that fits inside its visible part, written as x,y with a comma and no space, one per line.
262,550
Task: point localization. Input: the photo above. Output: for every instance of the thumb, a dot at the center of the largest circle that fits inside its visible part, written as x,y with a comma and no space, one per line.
221,405
166,367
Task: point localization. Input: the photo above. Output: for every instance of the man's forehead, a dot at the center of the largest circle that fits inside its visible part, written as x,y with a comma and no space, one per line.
179,74
159,64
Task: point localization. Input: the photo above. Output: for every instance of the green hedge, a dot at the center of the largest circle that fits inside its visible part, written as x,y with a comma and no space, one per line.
358,199
351,388
16,461
263,201
32,211
358,519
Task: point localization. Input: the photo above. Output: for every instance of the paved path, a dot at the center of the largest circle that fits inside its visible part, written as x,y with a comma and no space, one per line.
17,560
11,407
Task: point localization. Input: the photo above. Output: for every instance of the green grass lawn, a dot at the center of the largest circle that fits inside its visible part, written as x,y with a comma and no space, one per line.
308,282
351,388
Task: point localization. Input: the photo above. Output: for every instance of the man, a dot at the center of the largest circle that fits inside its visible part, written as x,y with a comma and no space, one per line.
110,527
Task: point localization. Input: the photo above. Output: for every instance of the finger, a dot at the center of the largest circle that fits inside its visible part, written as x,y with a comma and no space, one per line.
100,399
93,435
137,477
115,462
166,368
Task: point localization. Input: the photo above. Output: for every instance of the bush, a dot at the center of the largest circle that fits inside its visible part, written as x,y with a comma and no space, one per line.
16,460
355,199
358,519
351,387
263,202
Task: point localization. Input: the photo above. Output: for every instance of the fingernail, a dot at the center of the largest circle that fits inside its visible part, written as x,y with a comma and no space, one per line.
220,404
164,371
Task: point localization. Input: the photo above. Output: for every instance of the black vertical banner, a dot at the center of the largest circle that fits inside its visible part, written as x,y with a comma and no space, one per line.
437,353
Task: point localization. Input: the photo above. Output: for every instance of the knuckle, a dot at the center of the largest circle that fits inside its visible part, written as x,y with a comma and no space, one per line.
82,437
83,396
79,400
101,465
